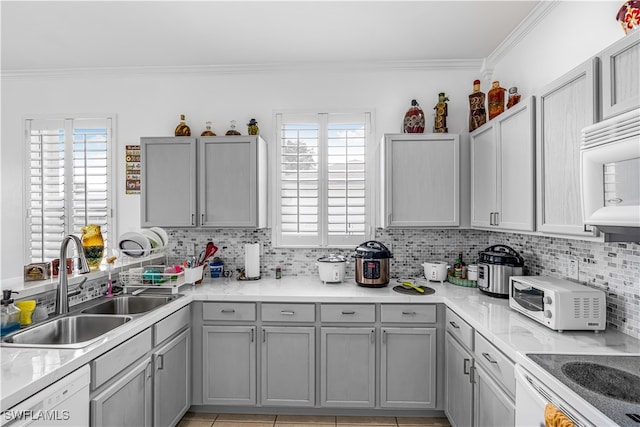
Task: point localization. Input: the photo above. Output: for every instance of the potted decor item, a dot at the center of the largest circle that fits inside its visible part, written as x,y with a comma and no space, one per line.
414,119
93,245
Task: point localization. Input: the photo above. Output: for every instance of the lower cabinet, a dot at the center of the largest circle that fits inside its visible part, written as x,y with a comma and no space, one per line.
492,406
458,385
347,367
229,365
171,380
288,366
408,368
127,401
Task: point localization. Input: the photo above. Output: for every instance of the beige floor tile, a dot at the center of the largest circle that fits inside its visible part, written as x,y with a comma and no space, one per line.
305,419
202,416
247,418
422,422
280,424
372,421
194,423
242,424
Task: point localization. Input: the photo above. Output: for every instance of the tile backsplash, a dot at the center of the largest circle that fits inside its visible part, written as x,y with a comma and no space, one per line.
612,267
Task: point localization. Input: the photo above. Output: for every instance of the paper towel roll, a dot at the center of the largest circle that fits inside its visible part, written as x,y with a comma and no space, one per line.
252,260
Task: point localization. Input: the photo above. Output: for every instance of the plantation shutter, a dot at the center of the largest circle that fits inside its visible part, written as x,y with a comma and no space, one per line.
321,179
68,182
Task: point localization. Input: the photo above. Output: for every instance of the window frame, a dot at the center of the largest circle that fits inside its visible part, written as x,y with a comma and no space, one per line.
371,148
112,150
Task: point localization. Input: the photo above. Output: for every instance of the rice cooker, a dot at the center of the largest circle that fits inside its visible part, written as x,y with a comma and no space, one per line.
332,268
372,264
496,265
435,271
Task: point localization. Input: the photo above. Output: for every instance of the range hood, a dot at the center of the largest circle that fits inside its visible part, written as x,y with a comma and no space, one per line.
610,177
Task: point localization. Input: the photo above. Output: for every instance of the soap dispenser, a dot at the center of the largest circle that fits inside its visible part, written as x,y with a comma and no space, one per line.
10,314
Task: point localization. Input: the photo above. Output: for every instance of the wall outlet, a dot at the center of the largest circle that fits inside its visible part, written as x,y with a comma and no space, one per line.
573,269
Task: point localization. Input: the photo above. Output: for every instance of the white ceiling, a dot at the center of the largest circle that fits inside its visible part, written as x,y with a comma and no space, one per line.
99,34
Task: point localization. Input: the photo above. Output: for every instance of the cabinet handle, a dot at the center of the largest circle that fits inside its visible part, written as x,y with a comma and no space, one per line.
147,371
348,312
373,336
287,313
202,219
489,358
466,366
160,362
264,336
227,310
472,374
252,335
193,219
454,325
497,218
384,337
409,313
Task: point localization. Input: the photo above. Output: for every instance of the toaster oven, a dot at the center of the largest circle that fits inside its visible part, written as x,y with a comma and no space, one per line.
557,303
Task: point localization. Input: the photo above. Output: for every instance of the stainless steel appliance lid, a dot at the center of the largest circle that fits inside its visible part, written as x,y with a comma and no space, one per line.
332,258
372,250
501,255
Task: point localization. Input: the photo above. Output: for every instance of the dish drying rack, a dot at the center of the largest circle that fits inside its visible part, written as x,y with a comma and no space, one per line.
139,279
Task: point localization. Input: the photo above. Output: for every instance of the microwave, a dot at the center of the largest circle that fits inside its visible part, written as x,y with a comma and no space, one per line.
610,177
558,304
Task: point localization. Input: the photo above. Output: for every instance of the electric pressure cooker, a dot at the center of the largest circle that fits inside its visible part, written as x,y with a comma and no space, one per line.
496,265
372,264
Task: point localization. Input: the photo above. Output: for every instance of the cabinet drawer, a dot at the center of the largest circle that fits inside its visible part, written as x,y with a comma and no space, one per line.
108,365
459,329
348,313
229,311
496,363
171,324
408,313
288,312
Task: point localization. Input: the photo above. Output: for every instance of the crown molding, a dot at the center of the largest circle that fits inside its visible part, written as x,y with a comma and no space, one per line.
472,64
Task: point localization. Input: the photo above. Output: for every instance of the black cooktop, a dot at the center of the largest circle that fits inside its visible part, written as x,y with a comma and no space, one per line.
609,383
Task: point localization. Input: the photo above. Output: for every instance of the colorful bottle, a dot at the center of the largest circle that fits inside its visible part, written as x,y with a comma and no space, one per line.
459,266
208,131
182,129
496,99
514,97
440,123
9,314
252,127
93,245
414,119
477,111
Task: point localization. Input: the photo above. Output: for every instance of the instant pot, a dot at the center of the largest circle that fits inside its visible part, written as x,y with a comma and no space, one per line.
372,264
496,265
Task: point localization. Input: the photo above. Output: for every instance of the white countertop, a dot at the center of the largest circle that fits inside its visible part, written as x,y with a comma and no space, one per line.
25,371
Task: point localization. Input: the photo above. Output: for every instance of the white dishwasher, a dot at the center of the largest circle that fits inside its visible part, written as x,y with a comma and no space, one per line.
63,403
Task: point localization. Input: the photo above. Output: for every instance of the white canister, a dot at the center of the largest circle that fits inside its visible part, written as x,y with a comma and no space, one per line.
435,271
472,272
332,268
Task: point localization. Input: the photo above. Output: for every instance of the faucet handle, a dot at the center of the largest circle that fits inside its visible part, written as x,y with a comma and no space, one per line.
83,266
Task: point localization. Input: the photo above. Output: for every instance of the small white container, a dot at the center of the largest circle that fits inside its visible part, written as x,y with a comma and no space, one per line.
193,275
472,272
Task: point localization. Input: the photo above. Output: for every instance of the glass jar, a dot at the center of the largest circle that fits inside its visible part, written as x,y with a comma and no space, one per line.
93,245
496,99
252,127
514,97
232,129
207,131
182,129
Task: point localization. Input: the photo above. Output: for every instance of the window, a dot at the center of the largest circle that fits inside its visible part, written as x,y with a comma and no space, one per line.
321,179
68,182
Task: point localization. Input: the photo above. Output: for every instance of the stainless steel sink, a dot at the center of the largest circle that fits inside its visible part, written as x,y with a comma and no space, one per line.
66,332
129,305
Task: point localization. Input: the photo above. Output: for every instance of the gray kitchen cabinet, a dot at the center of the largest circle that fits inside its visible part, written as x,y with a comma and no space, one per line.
232,181
563,108
458,385
288,366
408,367
503,170
168,182
492,406
229,365
620,64
347,367
127,401
421,180
172,380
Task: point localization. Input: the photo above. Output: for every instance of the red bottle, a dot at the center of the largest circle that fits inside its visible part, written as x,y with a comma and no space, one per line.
414,119
496,99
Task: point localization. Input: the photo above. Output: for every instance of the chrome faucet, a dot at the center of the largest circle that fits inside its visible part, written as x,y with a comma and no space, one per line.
62,297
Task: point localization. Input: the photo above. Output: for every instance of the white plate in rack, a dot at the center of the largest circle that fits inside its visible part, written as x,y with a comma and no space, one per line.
156,240
135,245
163,235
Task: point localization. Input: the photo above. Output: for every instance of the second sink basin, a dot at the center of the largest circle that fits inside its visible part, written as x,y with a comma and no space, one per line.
66,332
128,304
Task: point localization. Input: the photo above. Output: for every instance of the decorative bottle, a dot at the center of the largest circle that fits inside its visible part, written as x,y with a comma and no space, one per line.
9,314
232,129
514,97
208,131
93,245
458,267
440,123
182,129
496,99
414,119
477,111
252,127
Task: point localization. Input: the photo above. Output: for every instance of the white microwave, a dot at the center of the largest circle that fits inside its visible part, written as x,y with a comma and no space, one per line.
610,176
558,304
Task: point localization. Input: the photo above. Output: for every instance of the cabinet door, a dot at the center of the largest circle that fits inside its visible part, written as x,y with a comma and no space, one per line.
228,181
563,108
516,171
229,365
347,367
422,180
172,380
483,176
492,406
621,76
458,387
288,366
127,402
407,368
168,182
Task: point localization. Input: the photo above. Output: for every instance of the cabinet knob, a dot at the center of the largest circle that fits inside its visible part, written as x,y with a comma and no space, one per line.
547,300
547,314
454,325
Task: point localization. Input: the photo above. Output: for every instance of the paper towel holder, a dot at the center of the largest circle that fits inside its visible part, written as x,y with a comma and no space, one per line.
242,277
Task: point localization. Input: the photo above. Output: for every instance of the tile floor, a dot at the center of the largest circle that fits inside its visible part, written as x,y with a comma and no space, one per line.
193,419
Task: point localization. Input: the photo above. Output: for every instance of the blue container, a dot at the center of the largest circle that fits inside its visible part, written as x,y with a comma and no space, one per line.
216,269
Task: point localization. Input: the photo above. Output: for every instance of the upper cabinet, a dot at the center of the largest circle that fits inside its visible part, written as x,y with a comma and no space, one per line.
218,181
421,180
564,107
620,76
503,170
